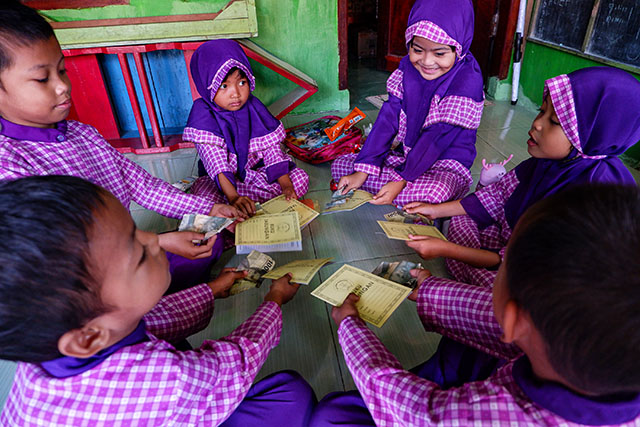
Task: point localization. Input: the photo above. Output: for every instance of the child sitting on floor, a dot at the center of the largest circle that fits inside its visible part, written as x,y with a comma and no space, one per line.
587,119
237,138
35,139
566,296
434,108
81,309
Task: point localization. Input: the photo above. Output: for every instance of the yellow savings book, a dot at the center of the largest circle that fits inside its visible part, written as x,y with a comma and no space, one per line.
401,231
302,270
269,233
378,297
280,204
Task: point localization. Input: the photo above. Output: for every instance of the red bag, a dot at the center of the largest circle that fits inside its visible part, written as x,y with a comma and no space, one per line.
310,143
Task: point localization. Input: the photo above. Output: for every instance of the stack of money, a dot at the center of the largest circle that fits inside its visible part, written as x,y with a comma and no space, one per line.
208,225
257,265
399,272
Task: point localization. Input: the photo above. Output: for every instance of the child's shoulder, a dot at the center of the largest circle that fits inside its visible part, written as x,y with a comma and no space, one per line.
467,82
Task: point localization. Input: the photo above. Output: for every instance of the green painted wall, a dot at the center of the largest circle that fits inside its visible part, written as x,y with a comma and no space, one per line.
303,33
540,63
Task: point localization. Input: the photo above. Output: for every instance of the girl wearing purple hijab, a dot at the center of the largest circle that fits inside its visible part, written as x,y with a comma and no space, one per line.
237,138
423,142
587,119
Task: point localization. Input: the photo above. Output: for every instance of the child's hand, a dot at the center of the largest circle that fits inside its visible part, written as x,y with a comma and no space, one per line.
421,275
181,243
388,193
348,308
352,182
281,290
427,247
227,211
220,285
425,209
289,193
245,205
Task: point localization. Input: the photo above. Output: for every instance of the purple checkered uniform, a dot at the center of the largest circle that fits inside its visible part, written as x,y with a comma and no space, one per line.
243,145
77,149
425,133
508,396
152,383
599,111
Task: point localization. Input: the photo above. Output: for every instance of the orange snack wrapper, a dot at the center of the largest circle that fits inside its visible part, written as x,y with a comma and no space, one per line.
345,124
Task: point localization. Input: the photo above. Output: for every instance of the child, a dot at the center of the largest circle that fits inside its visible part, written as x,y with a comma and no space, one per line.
587,119
434,108
35,139
566,296
237,138
90,328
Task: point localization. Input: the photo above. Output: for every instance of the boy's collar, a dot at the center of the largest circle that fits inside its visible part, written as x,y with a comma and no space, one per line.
66,366
602,410
28,133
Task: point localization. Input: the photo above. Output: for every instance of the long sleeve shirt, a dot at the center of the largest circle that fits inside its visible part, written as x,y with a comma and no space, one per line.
396,397
152,383
76,149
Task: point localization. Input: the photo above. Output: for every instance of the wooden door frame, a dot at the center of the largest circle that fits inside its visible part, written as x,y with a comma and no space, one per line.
343,45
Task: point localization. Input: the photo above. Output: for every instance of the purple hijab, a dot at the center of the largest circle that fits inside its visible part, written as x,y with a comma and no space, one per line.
209,66
464,79
599,111
446,22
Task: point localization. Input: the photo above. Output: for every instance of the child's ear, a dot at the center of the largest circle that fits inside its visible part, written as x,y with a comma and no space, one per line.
84,342
516,323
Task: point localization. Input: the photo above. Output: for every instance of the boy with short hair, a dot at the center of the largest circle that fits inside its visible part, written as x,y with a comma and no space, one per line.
567,296
91,330
35,139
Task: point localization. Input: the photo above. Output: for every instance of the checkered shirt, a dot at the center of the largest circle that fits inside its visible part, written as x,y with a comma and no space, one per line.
559,88
396,397
446,180
494,197
152,383
217,158
85,154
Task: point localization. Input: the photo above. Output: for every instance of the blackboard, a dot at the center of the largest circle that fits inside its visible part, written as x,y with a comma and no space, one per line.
616,33
563,22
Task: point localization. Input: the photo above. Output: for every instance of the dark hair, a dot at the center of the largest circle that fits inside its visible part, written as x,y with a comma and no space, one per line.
239,70
574,265
46,288
19,25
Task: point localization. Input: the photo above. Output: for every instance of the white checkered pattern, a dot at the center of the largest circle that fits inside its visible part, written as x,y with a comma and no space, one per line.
562,99
152,383
430,31
445,180
222,73
396,397
85,154
394,84
217,159
464,231
455,110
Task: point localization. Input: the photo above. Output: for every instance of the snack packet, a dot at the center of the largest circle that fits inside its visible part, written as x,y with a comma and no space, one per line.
345,124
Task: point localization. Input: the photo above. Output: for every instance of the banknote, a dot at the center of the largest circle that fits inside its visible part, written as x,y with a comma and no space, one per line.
405,217
399,272
256,264
208,225
337,198
358,199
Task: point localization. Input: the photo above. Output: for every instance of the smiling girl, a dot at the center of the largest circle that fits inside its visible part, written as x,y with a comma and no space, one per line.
423,142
